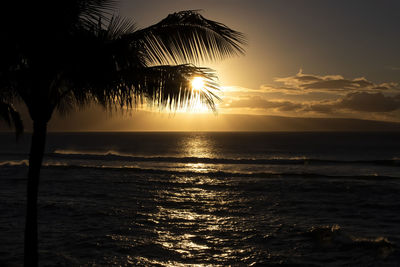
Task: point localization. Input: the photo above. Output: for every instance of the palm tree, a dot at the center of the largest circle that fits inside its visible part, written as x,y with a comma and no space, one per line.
11,117
69,53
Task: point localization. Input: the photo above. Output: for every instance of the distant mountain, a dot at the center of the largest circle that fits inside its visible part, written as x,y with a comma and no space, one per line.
97,120
278,123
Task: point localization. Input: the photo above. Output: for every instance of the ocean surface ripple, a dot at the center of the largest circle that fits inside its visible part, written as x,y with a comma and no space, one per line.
108,205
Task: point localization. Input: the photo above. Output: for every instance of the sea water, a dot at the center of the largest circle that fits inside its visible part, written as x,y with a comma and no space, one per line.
182,199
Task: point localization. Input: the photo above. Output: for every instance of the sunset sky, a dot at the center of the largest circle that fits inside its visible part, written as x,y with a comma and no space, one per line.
308,59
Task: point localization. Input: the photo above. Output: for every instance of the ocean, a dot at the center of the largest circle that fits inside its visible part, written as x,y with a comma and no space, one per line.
207,199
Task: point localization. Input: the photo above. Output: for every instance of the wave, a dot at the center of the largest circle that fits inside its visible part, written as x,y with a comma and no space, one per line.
328,236
25,163
117,156
212,173
15,163
113,155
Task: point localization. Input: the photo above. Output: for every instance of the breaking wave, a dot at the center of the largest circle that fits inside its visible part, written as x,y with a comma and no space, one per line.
212,173
335,236
15,163
113,155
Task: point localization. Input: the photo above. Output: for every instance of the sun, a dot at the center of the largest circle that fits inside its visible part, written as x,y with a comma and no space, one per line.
198,83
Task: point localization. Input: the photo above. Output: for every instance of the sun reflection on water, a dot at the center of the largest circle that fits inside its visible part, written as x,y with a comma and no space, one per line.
197,145
192,211
188,218
197,167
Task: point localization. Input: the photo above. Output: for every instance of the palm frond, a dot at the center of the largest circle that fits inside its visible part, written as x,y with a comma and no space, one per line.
93,11
113,63
11,117
187,36
163,86
119,26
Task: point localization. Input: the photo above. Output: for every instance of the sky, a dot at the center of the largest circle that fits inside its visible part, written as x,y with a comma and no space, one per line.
305,59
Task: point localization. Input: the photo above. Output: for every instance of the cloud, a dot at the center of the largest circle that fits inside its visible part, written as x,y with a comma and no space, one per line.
257,102
352,102
370,102
338,84
358,102
317,95
310,82
324,107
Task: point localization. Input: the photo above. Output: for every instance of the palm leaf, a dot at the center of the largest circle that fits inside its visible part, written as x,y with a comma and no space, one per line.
118,26
11,117
163,86
92,11
187,36
113,70
110,63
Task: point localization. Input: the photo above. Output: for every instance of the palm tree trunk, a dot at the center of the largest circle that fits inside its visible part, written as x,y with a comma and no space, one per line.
35,162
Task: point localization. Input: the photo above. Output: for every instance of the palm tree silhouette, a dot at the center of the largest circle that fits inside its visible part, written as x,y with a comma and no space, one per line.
60,55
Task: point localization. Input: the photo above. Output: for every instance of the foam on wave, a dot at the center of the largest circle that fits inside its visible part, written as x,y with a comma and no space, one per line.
211,173
113,155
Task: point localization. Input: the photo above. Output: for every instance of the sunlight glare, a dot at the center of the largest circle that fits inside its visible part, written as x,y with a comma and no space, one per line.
198,83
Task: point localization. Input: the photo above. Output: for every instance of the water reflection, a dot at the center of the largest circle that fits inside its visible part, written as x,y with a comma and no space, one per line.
197,217
190,214
197,167
197,145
